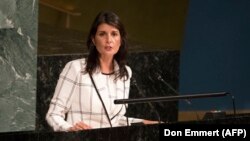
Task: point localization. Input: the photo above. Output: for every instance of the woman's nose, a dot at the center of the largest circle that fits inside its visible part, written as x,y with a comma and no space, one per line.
109,38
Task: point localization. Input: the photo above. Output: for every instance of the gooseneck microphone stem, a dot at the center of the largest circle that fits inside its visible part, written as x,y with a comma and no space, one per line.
170,86
150,104
103,105
168,98
233,100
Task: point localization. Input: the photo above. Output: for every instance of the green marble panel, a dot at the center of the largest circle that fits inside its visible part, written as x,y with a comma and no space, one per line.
18,55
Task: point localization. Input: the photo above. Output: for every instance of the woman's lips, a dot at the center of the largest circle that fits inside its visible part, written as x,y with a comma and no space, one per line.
108,48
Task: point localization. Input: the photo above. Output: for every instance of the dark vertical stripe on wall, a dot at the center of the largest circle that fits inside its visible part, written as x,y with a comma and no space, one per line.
216,53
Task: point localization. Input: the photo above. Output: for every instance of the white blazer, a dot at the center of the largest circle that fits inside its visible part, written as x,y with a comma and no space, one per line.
75,98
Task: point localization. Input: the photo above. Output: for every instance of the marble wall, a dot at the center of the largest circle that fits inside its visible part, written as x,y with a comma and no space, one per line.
18,59
153,73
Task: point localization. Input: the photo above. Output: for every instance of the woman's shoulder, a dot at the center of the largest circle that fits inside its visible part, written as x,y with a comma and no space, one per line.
77,64
78,61
129,71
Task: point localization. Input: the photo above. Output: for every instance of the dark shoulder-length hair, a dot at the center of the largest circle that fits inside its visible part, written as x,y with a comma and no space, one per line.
93,63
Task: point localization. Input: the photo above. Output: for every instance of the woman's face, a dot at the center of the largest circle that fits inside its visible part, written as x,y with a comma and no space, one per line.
107,40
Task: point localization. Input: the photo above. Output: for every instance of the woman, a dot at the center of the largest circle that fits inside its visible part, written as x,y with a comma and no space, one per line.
86,90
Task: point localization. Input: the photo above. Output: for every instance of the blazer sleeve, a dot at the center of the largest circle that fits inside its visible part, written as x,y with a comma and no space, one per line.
65,90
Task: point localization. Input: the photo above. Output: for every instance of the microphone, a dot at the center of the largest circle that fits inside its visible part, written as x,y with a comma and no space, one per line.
158,76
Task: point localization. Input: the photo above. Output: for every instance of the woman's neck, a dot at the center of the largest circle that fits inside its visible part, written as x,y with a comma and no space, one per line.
106,64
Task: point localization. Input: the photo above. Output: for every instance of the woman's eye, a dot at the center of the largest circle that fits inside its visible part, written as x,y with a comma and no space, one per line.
114,34
101,34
